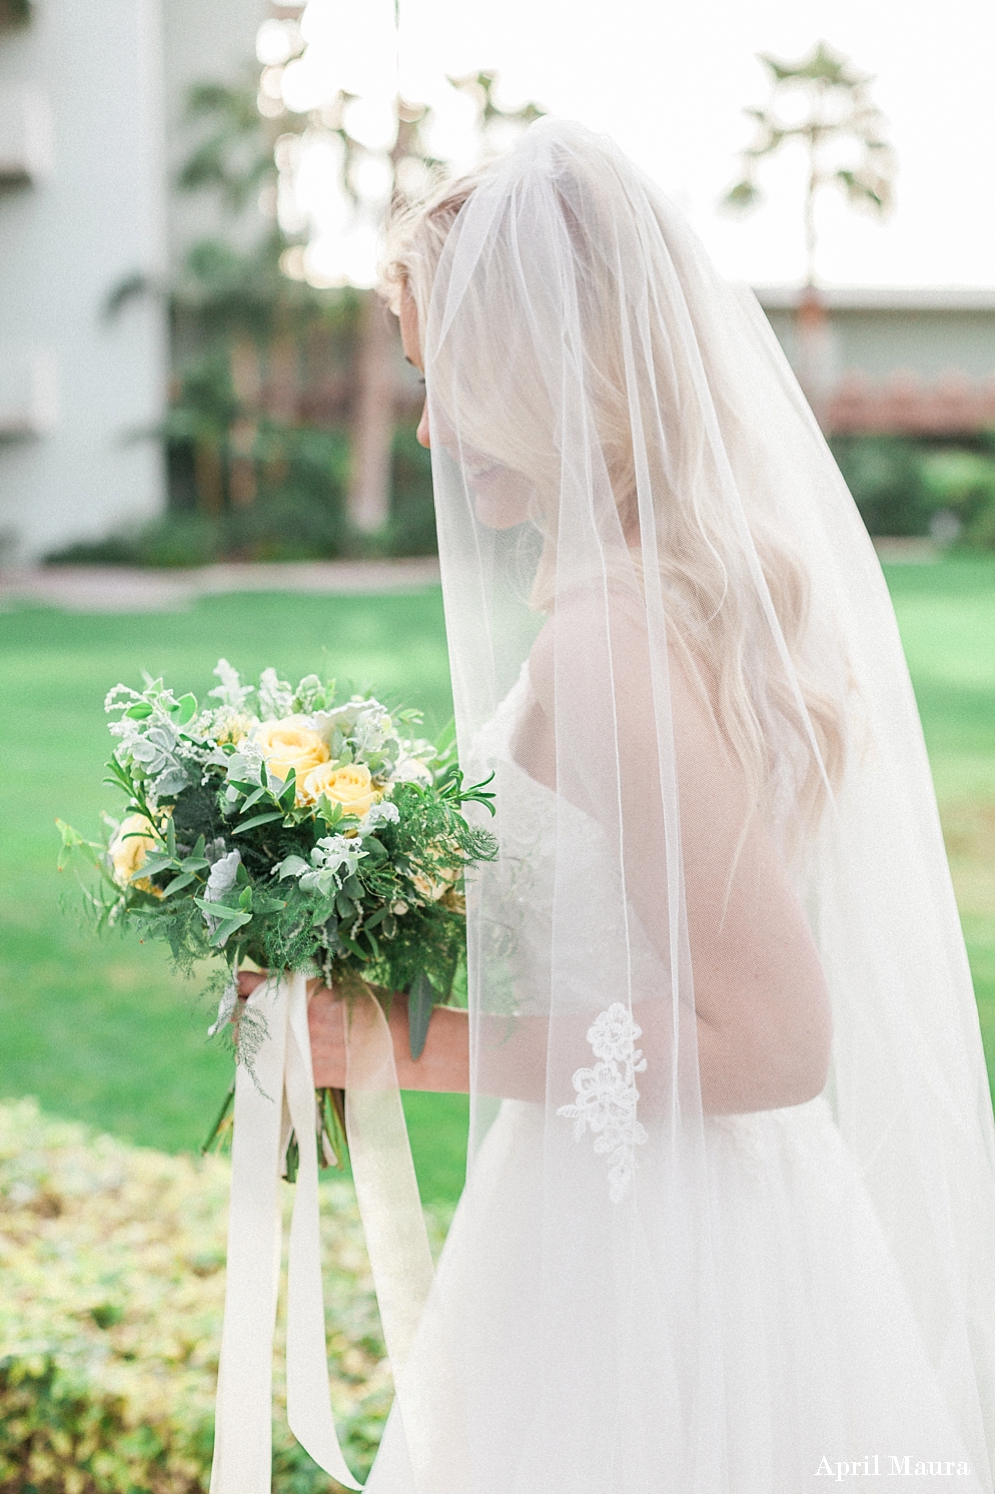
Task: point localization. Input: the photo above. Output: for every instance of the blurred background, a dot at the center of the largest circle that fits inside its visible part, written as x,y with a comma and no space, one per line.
193,367
207,448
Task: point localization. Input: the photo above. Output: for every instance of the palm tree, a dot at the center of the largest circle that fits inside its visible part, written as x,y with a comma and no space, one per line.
408,158
262,301
836,117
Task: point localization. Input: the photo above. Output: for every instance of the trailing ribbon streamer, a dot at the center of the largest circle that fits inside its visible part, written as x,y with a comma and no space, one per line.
389,1205
278,1094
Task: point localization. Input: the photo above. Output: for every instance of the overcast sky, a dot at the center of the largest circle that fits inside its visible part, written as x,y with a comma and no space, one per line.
668,79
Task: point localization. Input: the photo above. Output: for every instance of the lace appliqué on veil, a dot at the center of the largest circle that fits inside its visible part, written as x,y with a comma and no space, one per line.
607,1095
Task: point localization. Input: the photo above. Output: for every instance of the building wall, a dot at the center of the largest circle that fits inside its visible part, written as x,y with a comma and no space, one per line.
76,387
106,82
916,361
212,41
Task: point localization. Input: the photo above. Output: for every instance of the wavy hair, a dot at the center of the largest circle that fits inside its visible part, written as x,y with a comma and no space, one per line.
720,587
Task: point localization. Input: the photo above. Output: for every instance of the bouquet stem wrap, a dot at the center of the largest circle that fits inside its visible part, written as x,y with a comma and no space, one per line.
277,1096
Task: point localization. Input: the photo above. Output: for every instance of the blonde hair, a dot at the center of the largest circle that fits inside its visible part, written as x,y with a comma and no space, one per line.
786,733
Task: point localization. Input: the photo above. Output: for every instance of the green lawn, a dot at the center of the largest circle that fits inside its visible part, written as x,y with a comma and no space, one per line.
102,1032
946,612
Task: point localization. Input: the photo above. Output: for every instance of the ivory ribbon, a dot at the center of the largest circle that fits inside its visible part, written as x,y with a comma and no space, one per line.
278,1094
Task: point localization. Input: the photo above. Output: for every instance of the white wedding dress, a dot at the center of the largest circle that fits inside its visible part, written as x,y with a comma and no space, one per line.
823,1369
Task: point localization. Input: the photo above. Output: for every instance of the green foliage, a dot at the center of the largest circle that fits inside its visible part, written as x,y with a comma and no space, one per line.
900,485
884,474
235,153
830,113
110,1318
411,526
963,482
298,513
14,13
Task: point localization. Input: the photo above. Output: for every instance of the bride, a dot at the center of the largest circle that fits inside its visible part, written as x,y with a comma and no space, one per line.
729,1221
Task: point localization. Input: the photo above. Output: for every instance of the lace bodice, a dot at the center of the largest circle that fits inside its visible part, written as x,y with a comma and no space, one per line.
541,831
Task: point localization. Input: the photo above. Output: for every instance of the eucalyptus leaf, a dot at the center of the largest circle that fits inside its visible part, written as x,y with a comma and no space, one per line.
185,709
222,934
420,1001
258,819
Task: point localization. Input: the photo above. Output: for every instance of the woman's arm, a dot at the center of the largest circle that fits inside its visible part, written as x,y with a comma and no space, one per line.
761,1001
444,1065
515,1067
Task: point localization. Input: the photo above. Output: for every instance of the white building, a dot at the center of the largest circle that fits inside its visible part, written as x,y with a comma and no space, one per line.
91,98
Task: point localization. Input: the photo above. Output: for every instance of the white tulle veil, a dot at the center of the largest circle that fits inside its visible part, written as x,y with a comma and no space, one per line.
672,645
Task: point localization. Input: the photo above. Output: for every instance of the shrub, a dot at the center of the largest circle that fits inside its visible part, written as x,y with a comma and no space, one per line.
963,482
113,1265
904,486
884,474
298,513
411,529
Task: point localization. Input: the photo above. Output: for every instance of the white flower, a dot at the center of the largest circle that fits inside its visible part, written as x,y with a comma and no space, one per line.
275,696
383,813
332,861
155,745
411,769
372,728
308,692
231,692
338,853
244,765
364,723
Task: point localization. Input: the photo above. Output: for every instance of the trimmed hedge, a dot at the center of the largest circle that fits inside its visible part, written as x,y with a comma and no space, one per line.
112,1261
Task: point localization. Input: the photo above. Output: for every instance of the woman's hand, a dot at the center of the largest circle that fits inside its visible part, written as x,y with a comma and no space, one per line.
444,1065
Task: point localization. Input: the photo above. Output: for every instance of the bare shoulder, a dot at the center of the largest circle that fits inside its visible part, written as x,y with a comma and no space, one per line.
653,697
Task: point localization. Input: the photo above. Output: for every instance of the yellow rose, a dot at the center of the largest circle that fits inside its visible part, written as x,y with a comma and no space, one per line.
350,786
289,744
128,849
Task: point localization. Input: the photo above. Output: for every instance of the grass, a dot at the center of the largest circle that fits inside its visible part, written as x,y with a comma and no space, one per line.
946,613
101,1032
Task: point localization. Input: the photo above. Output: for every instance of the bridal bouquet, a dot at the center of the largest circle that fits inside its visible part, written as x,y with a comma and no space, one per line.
280,825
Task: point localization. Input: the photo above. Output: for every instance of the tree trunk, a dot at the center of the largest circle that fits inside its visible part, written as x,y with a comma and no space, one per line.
814,353
373,428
